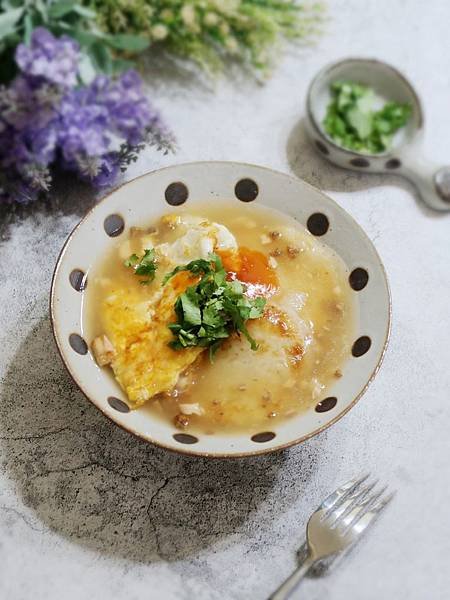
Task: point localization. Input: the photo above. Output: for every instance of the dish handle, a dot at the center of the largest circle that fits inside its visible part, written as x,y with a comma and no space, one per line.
431,180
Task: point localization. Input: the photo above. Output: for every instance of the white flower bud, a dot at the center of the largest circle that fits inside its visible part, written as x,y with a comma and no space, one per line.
227,6
189,17
211,19
231,44
159,32
166,14
224,28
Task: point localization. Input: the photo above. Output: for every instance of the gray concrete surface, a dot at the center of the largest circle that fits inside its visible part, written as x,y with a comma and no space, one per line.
86,511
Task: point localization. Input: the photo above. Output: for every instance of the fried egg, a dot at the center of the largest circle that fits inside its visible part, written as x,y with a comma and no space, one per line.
198,239
135,320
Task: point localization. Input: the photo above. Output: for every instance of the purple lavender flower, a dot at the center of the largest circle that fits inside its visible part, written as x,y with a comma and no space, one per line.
107,171
54,59
116,113
83,126
124,101
45,120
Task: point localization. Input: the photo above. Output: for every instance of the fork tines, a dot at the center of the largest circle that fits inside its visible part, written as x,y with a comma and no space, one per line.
353,505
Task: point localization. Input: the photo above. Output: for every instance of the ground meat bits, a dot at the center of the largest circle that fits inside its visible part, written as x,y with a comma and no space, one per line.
181,421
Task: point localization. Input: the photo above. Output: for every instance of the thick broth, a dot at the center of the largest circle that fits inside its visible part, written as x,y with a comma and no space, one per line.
304,338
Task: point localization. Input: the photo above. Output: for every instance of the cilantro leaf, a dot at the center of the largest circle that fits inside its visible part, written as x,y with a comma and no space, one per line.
190,307
352,121
145,266
211,310
196,267
132,260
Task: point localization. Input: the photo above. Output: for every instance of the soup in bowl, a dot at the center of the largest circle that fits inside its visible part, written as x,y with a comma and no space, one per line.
220,325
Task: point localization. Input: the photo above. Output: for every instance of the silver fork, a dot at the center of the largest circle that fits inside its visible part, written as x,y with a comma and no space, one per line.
337,524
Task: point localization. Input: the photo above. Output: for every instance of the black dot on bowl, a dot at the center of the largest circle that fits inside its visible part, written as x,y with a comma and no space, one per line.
77,343
118,404
361,346
360,162
114,225
78,280
326,404
246,190
185,438
265,436
318,224
176,193
358,279
321,147
393,163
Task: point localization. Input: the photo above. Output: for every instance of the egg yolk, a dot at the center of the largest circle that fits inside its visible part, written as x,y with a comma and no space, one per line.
249,266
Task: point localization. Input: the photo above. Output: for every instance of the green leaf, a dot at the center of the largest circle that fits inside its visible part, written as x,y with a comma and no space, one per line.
132,260
149,256
64,7
101,58
85,38
128,42
8,21
365,102
195,266
352,122
42,8
60,9
28,28
120,64
212,309
191,310
211,314
253,344
361,122
257,309
83,11
145,266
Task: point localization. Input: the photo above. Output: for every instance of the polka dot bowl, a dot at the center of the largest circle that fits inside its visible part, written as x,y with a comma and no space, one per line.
147,198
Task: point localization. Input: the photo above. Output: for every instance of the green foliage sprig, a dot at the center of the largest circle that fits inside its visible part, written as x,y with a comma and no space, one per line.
210,32
112,32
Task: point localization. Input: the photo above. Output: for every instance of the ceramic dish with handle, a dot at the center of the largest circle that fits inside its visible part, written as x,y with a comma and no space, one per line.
405,157
147,198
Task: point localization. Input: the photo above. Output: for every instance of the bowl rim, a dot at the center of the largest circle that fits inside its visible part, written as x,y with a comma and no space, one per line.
192,452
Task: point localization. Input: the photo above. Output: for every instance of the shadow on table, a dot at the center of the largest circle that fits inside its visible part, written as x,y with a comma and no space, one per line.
97,485
68,197
162,70
309,165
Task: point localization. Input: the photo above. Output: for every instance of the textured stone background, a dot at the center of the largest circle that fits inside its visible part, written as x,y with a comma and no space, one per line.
86,511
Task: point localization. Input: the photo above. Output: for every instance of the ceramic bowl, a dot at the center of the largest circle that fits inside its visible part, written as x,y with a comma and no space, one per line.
405,157
147,198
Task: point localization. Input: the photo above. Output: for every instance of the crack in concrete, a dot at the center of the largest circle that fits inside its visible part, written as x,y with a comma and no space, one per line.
156,529
21,516
62,470
93,464
35,437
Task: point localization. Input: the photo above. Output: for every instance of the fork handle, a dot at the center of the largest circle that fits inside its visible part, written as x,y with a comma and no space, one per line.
286,588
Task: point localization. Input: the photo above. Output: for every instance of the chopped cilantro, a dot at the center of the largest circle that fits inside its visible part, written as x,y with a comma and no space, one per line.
352,122
196,267
145,266
209,311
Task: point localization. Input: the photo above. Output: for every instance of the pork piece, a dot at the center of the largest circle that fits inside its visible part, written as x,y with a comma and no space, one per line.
103,350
